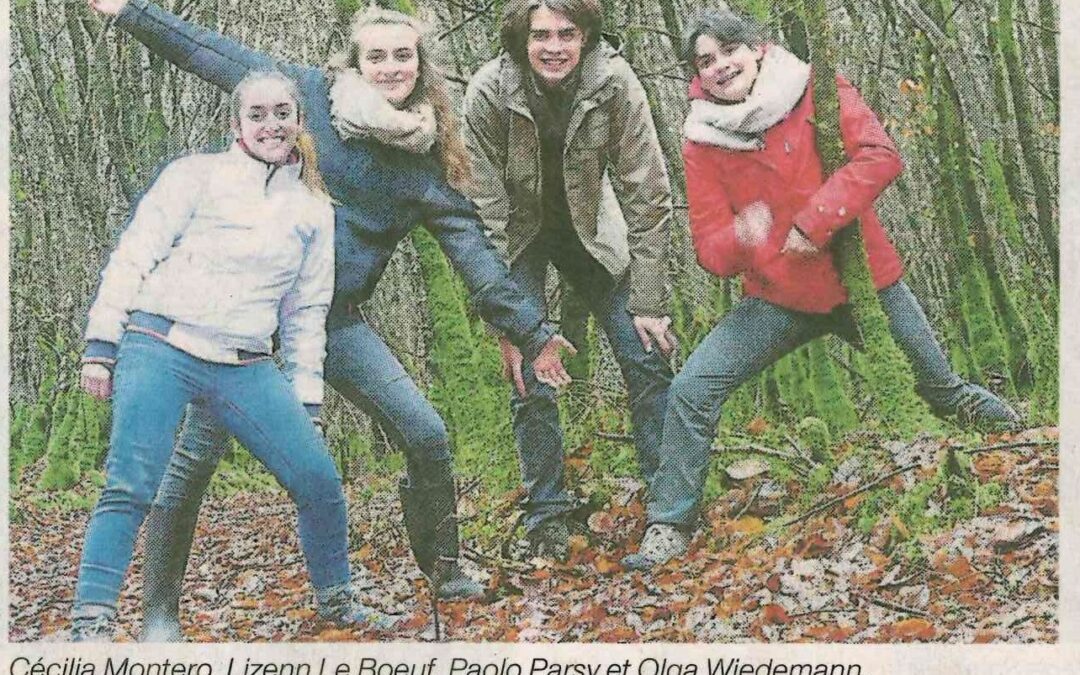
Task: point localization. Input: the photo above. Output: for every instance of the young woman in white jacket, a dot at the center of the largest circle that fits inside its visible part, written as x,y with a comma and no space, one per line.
223,250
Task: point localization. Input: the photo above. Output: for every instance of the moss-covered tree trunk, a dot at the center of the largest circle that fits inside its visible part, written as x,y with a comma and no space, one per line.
971,301
889,372
466,381
1026,127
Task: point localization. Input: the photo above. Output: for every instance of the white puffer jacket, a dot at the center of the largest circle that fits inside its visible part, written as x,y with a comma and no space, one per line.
228,248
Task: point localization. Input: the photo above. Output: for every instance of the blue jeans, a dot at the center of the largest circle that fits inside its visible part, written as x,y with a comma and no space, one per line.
361,368
750,338
536,416
153,383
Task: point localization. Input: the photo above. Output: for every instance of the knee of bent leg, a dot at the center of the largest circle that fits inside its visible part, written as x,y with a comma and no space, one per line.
314,482
426,438
695,396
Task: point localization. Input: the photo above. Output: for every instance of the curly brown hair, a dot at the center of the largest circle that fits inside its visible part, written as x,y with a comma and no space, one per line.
430,86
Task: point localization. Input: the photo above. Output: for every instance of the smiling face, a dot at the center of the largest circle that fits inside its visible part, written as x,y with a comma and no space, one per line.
389,59
554,46
728,71
268,121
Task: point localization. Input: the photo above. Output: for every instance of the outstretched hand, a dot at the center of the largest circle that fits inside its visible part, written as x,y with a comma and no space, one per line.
548,364
96,380
107,7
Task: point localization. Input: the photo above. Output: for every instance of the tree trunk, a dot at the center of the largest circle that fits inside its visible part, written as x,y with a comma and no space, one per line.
1029,137
889,375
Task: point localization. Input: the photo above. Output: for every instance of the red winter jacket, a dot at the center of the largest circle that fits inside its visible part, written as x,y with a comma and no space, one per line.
787,176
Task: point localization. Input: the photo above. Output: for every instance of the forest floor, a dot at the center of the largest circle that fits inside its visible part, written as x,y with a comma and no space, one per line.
750,576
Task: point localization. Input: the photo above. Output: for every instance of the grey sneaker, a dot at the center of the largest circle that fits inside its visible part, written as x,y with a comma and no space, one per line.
94,626
661,543
551,539
341,606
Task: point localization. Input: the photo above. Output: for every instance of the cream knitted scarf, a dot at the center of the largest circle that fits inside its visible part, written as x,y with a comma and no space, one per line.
359,110
780,85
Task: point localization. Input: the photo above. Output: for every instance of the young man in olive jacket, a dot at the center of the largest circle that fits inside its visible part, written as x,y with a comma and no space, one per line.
567,169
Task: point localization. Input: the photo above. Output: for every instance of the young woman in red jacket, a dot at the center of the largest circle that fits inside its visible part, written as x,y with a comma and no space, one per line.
761,207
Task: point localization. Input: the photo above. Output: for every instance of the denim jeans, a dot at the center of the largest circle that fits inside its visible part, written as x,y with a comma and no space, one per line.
153,384
750,338
536,416
361,368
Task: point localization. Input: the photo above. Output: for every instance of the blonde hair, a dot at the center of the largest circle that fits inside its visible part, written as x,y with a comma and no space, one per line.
305,143
430,86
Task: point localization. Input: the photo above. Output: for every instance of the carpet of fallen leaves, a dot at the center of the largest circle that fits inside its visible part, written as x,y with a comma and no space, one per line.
992,578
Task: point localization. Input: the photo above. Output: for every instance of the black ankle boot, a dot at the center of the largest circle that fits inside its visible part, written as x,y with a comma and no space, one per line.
169,533
431,524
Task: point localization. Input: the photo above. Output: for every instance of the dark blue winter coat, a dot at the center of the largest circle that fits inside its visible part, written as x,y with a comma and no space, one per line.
381,192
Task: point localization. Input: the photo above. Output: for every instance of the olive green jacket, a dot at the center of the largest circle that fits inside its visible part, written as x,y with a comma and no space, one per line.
616,180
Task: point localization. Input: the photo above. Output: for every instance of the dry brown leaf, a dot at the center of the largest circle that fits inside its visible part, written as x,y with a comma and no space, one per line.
917,629
602,522
814,545
853,502
578,543
775,614
983,637
757,426
747,525
336,635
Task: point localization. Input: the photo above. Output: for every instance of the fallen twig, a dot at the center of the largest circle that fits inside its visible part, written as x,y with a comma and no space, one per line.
859,490
1008,446
896,607
750,501
801,464
826,610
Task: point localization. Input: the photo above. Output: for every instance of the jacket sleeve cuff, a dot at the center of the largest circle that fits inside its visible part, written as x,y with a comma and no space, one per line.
99,351
819,225
539,337
648,298
127,15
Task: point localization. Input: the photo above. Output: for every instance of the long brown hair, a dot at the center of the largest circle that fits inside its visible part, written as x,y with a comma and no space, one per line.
430,86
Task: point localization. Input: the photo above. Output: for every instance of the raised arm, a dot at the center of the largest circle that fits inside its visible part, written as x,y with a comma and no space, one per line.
302,315
873,163
205,53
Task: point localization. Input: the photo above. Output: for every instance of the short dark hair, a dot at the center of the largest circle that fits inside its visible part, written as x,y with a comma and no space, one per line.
514,34
722,25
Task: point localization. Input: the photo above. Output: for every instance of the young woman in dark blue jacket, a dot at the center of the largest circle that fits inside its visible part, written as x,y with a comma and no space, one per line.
390,155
